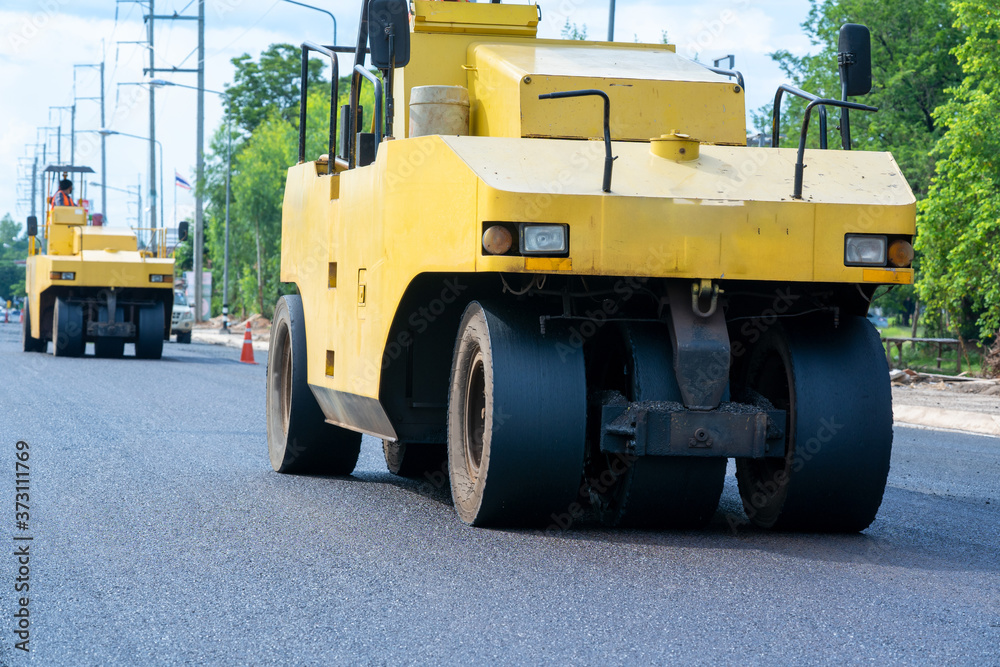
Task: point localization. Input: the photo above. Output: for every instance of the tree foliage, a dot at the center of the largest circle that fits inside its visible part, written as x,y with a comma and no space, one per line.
13,247
959,225
912,66
572,31
268,86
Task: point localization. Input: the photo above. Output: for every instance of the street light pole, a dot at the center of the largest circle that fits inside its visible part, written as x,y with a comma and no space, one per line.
229,171
225,261
199,213
332,17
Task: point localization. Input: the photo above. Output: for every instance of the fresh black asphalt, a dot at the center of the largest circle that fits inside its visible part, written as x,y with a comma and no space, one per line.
162,536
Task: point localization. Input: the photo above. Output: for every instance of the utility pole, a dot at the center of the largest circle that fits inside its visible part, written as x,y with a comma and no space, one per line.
34,184
199,238
152,125
200,70
611,22
104,157
72,131
59,135
104,164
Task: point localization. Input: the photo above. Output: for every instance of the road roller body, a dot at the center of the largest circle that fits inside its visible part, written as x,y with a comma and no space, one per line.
586,301
90,283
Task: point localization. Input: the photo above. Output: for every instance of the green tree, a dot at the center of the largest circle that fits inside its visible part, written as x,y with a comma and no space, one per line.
571,31
912,66
959,225
13,248
267,86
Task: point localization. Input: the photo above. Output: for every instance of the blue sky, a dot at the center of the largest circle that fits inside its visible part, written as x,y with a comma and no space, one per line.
42,40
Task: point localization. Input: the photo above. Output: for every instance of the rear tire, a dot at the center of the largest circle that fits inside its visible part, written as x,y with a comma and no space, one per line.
109,347
149,337
298,438
184,337
67,325
517,417
414,460
834,383
28,343
649,491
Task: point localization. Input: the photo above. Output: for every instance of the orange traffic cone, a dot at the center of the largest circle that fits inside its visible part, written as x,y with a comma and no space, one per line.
247,356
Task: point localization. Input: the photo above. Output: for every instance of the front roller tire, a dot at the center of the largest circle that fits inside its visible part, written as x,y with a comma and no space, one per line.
67,325
149,338
414,460
108,347
298,438
28,343
516,420
834,383
650,492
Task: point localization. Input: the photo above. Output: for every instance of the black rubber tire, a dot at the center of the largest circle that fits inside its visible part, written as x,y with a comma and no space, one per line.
109,347
184,337
67,329
834,383
149,334
652,491
516,420
414,460
28,343
299,440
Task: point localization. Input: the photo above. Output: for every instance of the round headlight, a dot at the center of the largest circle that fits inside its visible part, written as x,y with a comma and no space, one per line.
900,253
497,240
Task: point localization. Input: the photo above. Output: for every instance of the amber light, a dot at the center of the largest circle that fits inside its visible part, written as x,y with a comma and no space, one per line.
900,253
497,240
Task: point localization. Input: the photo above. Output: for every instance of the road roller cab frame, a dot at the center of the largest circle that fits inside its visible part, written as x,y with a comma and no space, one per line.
92,283
589,301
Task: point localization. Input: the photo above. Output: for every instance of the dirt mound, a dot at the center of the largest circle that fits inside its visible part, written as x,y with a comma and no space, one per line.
991,360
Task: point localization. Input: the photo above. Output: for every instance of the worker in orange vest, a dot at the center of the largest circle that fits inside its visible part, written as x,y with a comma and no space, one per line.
64,195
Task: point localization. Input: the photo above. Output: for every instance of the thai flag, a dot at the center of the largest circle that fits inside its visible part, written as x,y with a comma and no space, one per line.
180,182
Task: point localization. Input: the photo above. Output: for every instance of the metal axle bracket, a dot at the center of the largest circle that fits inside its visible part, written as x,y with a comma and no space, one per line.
655,428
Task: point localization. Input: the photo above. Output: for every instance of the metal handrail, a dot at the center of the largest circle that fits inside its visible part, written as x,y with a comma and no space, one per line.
729,72
821,103
776,116
609,160
157,238
377,82
304,96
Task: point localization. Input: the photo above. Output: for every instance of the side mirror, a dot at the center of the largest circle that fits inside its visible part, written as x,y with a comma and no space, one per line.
182,230
855,59
32,226
389,33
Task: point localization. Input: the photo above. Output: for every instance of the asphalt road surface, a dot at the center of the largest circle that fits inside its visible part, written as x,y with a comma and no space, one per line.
161,535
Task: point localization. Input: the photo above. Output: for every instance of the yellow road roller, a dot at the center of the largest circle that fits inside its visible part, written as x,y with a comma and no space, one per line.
93,283
553,275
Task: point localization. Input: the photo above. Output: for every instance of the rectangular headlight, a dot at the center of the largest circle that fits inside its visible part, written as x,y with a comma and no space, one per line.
864,250
62,275
543,240
160,278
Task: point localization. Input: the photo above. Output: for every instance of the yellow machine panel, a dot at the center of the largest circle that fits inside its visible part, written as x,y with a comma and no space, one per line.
496,19
104,238
652,92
